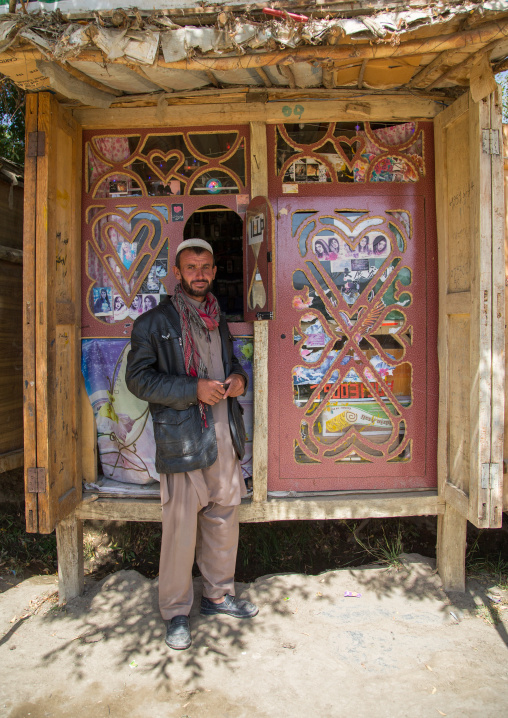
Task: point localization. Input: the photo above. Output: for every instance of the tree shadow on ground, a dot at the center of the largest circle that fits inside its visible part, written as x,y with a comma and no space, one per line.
417,577
123,609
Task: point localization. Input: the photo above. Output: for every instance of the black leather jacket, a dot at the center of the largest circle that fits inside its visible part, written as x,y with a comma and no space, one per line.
156,374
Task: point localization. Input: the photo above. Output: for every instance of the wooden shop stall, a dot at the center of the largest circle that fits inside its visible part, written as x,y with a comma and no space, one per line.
346,164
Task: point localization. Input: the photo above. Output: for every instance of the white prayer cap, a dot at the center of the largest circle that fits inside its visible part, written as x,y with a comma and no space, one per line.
190,243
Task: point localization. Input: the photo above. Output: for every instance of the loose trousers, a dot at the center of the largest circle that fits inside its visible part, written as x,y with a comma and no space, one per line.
189,529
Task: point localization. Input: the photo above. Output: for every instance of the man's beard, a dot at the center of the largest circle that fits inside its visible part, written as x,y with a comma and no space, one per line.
197,294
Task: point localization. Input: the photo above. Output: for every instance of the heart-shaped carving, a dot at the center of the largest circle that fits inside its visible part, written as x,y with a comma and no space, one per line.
113,240
165,164
350,149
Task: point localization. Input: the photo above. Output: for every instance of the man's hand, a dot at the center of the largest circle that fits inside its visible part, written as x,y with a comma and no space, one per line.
210,391
235,385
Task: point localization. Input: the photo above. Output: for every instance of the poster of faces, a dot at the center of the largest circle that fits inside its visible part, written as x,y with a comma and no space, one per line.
152,284
102,301
148,297
351,265
141,303
307,170
161,267
110,304
127,251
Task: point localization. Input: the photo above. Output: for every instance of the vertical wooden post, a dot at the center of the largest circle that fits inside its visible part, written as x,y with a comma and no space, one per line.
44,313
259,186
453,439
498,316
260,442
57,312
505,453
29,317
451,549
69,539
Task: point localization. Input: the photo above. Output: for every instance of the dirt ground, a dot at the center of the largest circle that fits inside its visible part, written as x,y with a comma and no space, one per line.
404,648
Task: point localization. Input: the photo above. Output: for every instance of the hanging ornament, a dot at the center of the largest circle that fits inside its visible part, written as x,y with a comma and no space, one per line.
214,186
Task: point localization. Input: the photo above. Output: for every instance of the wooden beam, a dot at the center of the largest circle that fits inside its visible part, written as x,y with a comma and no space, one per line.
500,66
424,72
505,450
359,110
89,80
63,82
482,82
498,311
483,204
69,539
288,74
264,77
30,315
259,186
455,302
147,98
361,505
260,442
245,94
183,98
451,549
461,65
361,74
139,71
456,498
212,78
478,36
328,77
11,460
8,254
258,159
401,107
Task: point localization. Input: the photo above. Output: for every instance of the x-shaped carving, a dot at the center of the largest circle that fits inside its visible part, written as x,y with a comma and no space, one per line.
354,325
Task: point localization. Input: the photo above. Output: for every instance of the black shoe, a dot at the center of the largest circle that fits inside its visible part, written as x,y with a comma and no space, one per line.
178,635
229,607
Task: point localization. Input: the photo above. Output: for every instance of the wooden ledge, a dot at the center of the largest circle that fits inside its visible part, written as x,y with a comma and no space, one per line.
350,506
11,460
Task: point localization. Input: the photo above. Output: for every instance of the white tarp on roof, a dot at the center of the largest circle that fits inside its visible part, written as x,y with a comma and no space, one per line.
71,8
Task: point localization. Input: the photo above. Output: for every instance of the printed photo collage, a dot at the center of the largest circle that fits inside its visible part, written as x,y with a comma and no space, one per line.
351,269
306,170
108,303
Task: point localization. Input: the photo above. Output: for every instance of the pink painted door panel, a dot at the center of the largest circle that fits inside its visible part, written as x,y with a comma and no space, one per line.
353,345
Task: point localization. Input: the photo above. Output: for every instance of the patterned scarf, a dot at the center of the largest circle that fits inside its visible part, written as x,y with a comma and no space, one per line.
202,321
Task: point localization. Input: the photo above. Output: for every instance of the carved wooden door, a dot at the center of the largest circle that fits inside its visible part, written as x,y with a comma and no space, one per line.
355,401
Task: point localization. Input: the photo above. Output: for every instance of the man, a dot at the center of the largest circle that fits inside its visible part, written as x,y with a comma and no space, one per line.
182,362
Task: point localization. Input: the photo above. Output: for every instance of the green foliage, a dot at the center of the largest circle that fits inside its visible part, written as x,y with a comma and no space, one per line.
12,121
486,564
384,549
20,551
